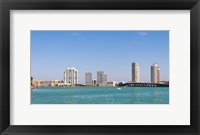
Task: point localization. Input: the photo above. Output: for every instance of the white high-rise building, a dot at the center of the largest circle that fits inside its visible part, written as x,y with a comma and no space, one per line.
88,78
155,73
135,72
71,76
101,77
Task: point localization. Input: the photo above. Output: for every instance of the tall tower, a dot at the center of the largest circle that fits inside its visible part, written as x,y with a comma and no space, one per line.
135,72
158,74
155,73
71,76
88,78
104,79
101,77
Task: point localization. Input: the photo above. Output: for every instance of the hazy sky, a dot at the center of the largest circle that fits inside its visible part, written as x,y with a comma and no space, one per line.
90,51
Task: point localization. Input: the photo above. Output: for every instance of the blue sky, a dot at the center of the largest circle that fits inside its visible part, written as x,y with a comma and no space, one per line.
90,51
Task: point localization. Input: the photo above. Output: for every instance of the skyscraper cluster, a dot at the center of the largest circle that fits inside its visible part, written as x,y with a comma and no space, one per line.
155,73
71,77
101,78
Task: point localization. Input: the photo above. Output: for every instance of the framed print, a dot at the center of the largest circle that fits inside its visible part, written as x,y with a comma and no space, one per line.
96,67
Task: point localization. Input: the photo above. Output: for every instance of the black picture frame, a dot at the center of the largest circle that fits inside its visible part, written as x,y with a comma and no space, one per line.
7,5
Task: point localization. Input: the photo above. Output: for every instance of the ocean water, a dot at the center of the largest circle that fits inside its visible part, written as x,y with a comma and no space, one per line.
100,95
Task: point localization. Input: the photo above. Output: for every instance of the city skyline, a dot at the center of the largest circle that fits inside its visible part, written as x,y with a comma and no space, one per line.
101,77
71,76
91,51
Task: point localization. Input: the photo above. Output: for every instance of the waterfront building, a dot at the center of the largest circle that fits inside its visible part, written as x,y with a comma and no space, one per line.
155,73
104,79
88,78
36,83
111,83
101,78
55,83
135,72
158,74
71,76
45,83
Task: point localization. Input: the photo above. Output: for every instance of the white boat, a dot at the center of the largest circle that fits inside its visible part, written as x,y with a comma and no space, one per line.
119,88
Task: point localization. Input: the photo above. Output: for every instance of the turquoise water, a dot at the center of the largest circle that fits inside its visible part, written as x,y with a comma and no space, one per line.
100,95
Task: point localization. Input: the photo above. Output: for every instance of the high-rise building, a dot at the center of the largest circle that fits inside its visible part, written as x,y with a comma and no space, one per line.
135,72
101,77
104,79
71,76
88,78
155,73
158,74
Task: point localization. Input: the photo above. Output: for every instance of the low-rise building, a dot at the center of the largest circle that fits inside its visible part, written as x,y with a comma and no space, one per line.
36,83
55,83
45,83
111,83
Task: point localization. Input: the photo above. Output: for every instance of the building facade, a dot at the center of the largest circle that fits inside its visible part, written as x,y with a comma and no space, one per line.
71,76
101,78
88,78
135,72
155,73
